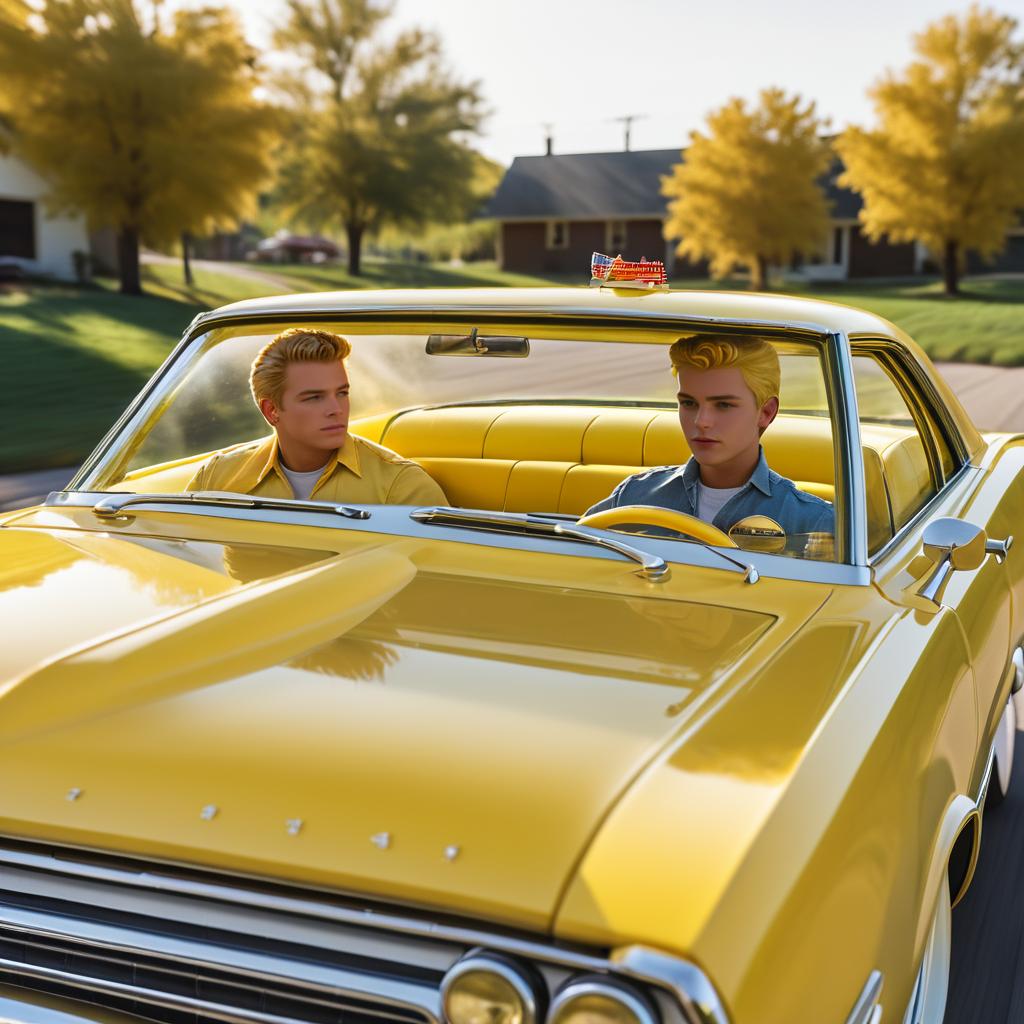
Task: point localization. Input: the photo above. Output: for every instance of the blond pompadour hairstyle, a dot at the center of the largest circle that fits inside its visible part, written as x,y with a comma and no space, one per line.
295,345
755,358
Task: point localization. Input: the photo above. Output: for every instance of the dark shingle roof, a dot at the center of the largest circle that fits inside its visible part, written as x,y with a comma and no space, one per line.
596,185
844,203
611,185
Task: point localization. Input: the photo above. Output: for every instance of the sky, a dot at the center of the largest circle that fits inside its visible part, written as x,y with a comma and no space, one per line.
580,64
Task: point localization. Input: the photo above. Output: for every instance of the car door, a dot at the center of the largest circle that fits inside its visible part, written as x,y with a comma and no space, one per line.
926,475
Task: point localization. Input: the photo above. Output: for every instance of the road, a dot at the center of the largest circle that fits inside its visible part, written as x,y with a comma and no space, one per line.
250,273
987,983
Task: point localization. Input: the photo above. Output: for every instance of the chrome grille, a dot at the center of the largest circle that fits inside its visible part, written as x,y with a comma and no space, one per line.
182,980
182,946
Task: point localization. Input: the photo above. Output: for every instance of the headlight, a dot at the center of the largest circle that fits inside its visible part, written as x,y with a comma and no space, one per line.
483,988
599,1000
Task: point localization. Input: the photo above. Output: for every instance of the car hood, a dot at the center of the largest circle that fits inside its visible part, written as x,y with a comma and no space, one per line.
386,720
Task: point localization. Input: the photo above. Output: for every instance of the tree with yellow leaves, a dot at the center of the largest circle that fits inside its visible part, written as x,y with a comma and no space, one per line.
943,166
155,132
746,193
380,126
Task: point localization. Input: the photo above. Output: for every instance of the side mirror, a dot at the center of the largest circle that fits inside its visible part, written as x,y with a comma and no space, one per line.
962,543
951,544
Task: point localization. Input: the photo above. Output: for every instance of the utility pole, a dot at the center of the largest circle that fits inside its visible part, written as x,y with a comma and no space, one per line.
627,120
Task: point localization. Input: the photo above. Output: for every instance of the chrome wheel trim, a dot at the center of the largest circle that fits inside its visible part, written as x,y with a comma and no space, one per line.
928,1002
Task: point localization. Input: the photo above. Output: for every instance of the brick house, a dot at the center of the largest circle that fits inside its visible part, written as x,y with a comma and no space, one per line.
554,210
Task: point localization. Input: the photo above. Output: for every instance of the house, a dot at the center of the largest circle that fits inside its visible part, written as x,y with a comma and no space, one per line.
32,240
554,211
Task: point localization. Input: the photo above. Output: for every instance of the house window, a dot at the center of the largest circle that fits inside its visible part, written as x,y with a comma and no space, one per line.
17,229
837,245
557,234
614,236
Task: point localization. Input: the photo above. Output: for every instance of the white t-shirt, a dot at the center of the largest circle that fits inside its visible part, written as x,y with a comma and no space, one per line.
711,499
303,483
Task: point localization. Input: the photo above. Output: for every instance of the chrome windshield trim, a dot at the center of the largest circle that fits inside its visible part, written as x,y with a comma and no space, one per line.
851,504
114,505
215,319
652,567
681,979
864,1010
394,521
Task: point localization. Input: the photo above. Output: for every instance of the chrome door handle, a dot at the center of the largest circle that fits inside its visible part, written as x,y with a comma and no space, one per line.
999,548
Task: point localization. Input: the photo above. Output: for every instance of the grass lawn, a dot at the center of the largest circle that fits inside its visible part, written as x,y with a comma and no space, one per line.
983,325
80,354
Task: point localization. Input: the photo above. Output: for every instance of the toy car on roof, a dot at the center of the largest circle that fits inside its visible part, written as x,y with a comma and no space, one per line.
277,759
627,273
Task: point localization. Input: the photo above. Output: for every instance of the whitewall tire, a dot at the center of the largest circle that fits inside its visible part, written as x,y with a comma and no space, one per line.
928,1002
1002,769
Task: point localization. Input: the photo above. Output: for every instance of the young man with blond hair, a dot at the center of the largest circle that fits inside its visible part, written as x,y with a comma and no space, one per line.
300,385
728,396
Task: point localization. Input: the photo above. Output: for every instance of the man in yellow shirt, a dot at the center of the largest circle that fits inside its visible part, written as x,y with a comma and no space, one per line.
300,385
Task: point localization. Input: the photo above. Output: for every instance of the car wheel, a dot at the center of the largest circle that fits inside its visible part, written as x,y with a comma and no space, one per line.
928,1002
999,784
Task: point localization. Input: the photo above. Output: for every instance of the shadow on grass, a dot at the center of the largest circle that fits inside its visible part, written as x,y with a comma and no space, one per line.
61,400
76,358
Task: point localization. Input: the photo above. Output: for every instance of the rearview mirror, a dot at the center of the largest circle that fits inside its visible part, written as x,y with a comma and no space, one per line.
476,344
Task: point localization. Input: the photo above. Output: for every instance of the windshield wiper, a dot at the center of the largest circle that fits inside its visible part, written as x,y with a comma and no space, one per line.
115,504
652,567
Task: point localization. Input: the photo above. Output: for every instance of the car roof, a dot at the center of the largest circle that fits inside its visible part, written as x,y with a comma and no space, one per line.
747,307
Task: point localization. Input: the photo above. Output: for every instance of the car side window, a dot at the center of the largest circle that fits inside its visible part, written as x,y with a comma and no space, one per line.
898,466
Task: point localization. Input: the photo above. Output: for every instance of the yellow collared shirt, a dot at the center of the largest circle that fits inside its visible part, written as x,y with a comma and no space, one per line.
360,473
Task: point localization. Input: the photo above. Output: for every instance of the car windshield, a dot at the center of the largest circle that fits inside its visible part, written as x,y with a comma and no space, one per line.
535,406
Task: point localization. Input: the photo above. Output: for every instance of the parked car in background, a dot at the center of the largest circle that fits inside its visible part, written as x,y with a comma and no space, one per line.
287,248
498,761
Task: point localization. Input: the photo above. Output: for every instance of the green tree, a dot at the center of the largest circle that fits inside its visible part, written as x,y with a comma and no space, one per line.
379,129
155,132
943,165
746,192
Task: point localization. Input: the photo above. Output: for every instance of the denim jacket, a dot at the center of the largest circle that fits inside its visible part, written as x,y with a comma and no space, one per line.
765,493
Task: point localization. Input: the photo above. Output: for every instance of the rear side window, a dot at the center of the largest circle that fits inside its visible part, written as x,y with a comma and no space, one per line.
898,469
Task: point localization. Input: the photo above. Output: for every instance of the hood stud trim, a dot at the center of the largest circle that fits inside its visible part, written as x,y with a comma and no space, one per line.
451,852
294,826
73,794
382,840
209,812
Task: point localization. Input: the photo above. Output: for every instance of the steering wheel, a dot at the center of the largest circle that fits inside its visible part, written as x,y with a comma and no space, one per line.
655,515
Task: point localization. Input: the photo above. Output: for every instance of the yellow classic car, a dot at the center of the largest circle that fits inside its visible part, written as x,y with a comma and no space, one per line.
498,761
